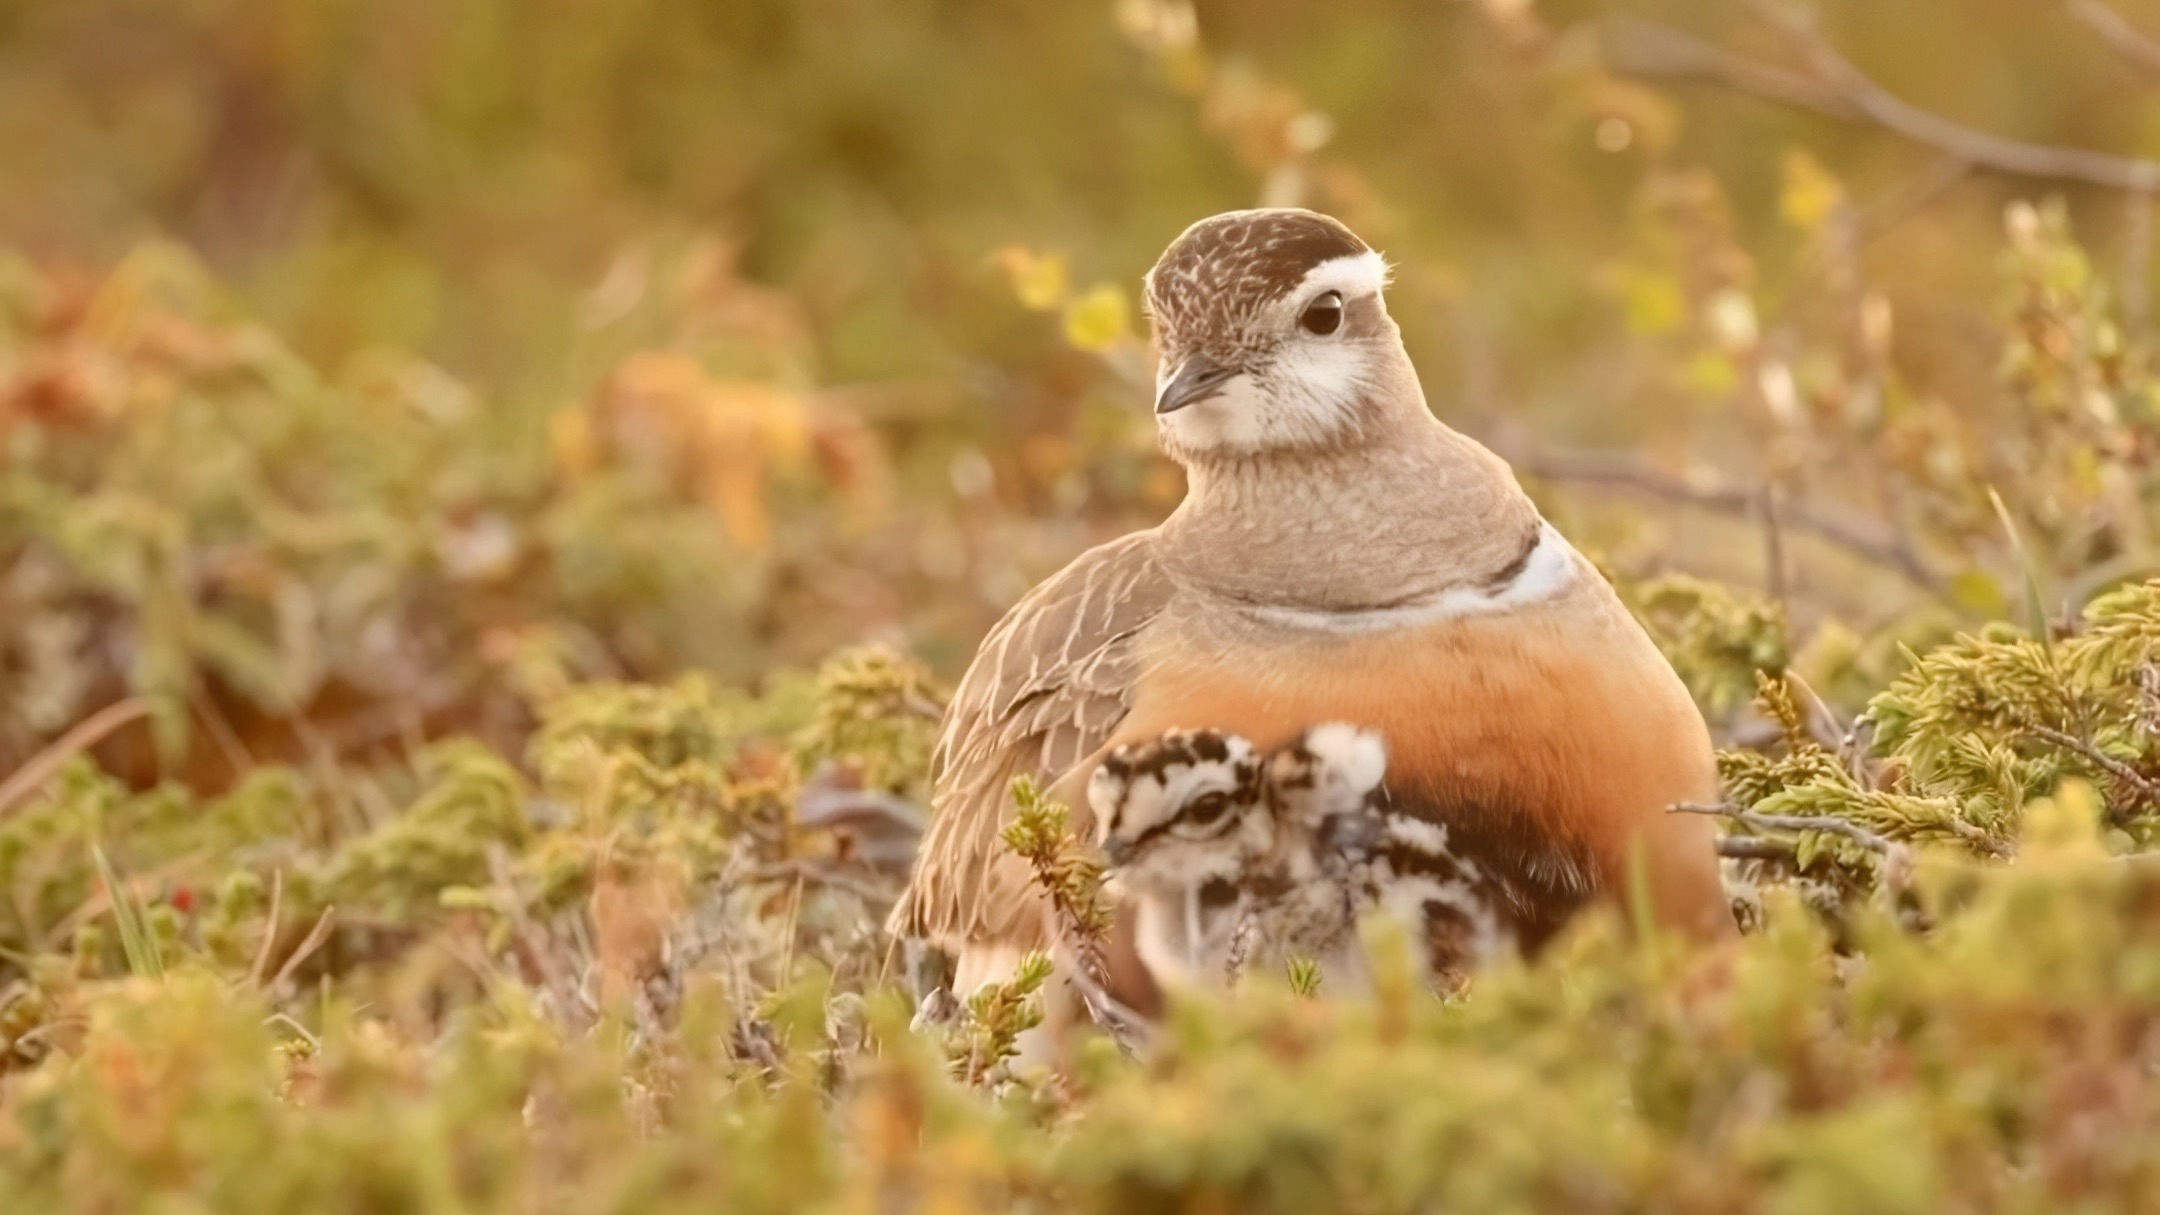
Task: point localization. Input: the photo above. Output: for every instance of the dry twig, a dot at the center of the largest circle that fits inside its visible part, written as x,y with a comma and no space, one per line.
1126,1027
1625,474
85,734
537,949
806,871
2146,788
1754,848
2136,47
313,941
270,928
1837,88
1873,841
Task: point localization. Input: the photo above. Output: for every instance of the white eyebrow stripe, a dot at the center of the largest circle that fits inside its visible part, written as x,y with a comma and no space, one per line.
1353,274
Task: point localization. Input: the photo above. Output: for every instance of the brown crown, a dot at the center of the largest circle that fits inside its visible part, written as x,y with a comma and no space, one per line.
1229,266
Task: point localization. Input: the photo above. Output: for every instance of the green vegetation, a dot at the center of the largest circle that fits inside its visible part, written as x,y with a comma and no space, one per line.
492,497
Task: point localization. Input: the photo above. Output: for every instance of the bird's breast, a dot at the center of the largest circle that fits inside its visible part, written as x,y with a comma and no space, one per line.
1549,740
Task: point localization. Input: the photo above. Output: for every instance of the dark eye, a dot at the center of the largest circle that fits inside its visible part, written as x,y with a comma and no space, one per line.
1324,315
1206,808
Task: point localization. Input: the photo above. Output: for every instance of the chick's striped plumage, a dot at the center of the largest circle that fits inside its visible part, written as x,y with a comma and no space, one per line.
1231,862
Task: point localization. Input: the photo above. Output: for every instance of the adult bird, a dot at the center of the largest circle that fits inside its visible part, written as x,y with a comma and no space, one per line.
1340,555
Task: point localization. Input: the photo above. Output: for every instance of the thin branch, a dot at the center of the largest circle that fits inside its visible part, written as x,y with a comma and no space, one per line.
1754,848
1880,216
221,732
1839,89
1126,1027
2135,46
803,871
278,1018
538,950
1625,474
270,929
1979,147
1822,721
1770,511
1827,824
794,922
1636,47
1077,919
2114,767
87,733
313,941
2137,255
1089,974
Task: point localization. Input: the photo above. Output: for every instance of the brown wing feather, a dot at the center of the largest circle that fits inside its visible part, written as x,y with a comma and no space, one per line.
1046,689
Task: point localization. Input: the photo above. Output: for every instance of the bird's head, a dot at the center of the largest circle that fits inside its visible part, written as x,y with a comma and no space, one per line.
1273,337
1326,783
1178,811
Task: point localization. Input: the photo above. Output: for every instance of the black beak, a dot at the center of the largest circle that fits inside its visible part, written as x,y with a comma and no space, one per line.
1117,851
1196,379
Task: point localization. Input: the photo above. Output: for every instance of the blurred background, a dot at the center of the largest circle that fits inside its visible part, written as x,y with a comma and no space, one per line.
494,493
364,363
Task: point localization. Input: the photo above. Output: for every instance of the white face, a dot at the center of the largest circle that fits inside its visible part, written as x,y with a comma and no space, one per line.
1294,386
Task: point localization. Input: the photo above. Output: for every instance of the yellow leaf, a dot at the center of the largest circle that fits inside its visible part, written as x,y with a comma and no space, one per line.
570,438
1041,281
1810,194
735,490
1655,303
1978,593
770,418
1711,374
1098,319
752,429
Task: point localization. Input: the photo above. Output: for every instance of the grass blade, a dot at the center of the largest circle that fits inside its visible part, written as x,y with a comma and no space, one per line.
137,942
2035,611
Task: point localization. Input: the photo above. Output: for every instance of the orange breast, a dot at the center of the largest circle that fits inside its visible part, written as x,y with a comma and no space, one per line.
1557,735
